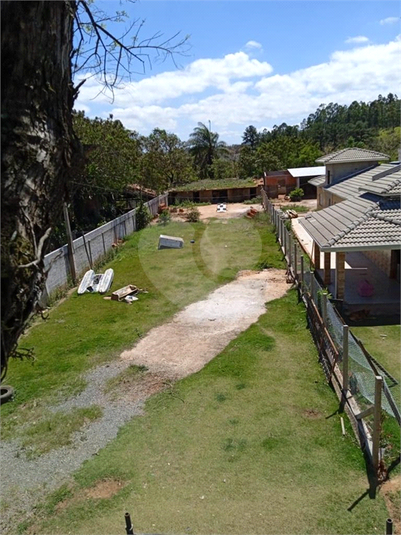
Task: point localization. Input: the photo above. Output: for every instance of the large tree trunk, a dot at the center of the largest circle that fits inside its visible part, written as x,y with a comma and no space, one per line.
37,149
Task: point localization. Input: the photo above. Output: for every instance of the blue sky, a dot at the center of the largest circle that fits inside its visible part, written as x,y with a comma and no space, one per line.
253,62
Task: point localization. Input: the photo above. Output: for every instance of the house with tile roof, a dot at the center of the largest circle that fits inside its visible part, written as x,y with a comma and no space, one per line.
359,223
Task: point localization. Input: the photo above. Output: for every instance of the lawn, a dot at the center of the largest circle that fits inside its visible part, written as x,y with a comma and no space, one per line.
250,444
84,331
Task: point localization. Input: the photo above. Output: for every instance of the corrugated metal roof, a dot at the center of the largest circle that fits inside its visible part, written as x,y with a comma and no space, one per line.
375,180
317,181
352,155
299,172
356,224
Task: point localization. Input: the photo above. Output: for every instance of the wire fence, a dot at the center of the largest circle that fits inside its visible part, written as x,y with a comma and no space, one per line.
340,351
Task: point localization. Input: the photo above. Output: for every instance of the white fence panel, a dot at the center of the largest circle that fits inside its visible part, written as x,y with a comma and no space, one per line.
93,246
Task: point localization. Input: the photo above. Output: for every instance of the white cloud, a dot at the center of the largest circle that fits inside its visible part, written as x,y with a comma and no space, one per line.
390,20
360,39
253,44
236,91
197,77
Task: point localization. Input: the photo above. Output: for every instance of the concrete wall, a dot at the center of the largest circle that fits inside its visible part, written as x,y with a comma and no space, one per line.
95,246
341,170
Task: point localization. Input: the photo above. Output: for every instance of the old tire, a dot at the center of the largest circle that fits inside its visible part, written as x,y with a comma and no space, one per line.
6,393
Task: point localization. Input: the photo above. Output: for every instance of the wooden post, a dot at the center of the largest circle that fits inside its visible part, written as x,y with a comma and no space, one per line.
345,358
70,244
377,421
324,308
289,250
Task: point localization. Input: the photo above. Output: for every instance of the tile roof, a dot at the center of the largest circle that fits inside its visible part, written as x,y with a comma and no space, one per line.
317,181
379,180
352,155
356,224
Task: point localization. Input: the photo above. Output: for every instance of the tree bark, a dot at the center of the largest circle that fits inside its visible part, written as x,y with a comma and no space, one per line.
38,147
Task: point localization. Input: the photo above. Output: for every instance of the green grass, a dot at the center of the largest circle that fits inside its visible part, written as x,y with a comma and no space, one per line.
250,444
296,207
56,430
87,330
209,183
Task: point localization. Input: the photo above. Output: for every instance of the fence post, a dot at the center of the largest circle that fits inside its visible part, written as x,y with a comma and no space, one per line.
345,358
324,309
377,421
389,527
295,266
312,285
128,524
70,244
289,250
302,272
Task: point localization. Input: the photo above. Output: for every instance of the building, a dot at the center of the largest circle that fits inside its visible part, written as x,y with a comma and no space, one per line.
359,223
282,182
216,191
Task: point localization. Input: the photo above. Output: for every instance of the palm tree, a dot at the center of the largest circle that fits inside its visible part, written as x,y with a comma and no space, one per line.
205,147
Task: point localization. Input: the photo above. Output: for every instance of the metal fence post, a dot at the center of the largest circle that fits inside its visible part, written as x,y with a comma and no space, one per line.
389,527
312,285
128,524
345,358
324,308
377,421
302,271
295,259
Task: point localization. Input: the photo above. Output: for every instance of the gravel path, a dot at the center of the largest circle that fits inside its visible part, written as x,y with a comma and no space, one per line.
172,351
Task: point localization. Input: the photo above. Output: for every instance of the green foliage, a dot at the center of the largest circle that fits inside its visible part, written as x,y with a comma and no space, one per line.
193,215
296,194
205,147
142,216
165,163
112,156
255,200
164,218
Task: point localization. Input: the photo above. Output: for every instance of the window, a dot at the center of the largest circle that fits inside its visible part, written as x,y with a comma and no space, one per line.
328,177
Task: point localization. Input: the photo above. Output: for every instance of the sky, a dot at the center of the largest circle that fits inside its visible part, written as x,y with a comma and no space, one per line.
251,62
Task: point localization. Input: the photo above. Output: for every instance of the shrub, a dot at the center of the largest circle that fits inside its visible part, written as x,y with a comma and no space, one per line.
164,218
296,194
143,216
193,215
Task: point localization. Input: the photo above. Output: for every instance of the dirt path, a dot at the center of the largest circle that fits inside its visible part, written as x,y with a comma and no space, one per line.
200,331
172,351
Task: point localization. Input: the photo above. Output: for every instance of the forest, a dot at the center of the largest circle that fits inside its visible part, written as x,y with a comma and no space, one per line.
116,158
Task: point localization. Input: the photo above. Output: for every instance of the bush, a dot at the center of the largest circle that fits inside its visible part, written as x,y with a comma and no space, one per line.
296,194
193,215
164,218
255,200
143,216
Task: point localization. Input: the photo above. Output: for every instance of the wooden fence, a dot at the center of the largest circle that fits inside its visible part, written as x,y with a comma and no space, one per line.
344,359
92,247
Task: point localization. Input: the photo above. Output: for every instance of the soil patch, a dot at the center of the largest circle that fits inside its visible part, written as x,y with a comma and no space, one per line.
104,489
203,329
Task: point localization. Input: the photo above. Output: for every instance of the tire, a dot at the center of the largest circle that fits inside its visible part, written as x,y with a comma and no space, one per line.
6,393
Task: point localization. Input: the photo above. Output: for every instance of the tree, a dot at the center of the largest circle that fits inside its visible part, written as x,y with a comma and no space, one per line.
39,149
165,162
251,137
112,155
205,147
